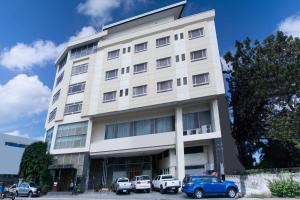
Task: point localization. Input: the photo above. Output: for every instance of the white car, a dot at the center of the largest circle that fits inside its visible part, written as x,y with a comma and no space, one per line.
122,185
141,183
165,183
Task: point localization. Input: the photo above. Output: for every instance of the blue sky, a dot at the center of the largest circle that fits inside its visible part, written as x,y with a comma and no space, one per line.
33,32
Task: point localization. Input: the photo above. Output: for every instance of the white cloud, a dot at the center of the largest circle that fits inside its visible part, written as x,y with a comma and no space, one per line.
23,96
84,32
19,134
99,11
291,25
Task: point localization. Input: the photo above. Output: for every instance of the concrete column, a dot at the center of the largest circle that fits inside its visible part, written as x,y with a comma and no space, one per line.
180,170
215,116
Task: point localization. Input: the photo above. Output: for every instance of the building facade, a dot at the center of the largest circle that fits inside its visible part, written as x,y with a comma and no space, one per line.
13,146
145,95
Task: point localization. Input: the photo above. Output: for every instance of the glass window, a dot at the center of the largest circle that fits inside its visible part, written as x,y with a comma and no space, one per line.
196,120
55,97
196,33
49,135
192,150
79,69
182,57
76,88
140,47
178,82
112,74
176,37
163,41
62,63
198,55
164,124
109,96
140,68
121,93
110,131
126,92
122,70
184,80
71,135
139,91
128,49
52,115
73,108
124,50
200,79
123,130
177,58
181,35
164,86
113,54
83,50
59,79
127,69
142,127
163,62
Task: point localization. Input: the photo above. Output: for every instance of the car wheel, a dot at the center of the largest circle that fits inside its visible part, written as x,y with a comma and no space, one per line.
176,191
231,192
198,194
30,194
128,192
17,194
148,190
162,191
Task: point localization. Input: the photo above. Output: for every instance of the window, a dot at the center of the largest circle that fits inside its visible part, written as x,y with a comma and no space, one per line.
197,120
178,82
198,55
140,47
177,58
84,50
73,108
109,96
176,37
122,70
59,79
140,127
139,68
71,135
55,97
52,115
182,57
200,79
191,150
128,49
126,92
127,69
196,33
76,88
121,93
79,69
181,35
48,140
62,63
184,80
163,41
113,54
163,62
124,50
164,86
139,91
112,74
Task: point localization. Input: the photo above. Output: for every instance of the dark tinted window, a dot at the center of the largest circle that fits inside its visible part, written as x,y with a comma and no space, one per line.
166,177
143,178
190,150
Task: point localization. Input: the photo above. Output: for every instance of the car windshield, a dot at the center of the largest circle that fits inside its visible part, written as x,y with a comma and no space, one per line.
167,177
123,180
143,178
32,185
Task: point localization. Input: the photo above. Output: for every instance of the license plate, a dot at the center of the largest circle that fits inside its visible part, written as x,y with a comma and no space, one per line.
124,190
173,188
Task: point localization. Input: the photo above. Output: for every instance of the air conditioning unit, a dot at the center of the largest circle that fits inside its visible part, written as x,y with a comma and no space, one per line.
191,132
206,128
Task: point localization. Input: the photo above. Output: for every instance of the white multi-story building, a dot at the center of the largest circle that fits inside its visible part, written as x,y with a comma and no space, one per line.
145,95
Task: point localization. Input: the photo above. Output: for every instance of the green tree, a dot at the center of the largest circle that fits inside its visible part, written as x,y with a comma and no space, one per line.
34,164
264,86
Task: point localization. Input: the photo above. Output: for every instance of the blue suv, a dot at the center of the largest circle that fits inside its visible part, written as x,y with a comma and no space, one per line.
199,186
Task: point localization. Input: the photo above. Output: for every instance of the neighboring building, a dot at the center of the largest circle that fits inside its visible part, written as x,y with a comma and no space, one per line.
11,150
143,96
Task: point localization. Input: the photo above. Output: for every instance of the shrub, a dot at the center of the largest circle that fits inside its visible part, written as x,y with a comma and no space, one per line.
45,189
284,188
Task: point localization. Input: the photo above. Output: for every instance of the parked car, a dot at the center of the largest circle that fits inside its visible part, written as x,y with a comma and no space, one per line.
122,185
28,189
141,183
165,183
199,186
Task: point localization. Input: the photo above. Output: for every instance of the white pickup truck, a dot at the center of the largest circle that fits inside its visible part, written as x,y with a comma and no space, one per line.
141,183
165,183
122,185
